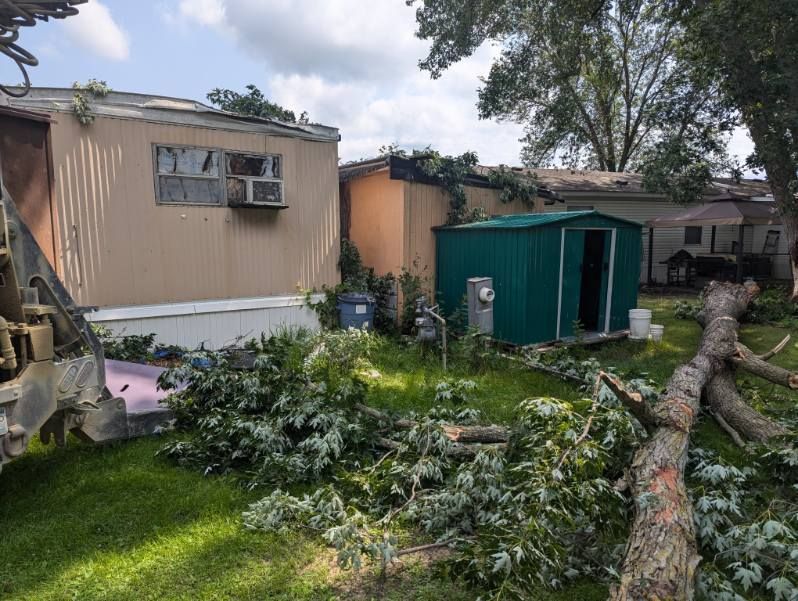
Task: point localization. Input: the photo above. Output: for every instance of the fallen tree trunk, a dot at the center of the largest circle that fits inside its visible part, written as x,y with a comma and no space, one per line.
661,554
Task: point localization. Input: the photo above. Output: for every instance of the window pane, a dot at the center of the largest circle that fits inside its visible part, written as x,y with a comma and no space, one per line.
692,235
189,190
254,165
188,161
267,192
236,191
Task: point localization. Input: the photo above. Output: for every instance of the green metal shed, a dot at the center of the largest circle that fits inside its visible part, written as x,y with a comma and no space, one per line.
549,270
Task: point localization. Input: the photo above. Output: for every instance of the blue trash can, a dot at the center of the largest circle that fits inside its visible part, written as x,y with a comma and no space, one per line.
356,310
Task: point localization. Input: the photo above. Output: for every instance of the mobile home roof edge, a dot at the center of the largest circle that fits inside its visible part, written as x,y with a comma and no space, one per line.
176,111
407,169
531,220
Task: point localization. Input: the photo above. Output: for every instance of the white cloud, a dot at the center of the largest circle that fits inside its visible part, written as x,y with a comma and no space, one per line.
354,64
95,30
205,12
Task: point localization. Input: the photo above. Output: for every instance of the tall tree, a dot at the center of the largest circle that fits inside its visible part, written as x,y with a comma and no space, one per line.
597,84
253,103
752,47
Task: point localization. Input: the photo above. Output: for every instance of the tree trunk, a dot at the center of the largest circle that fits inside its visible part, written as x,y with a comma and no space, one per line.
724,400
781,170
661,555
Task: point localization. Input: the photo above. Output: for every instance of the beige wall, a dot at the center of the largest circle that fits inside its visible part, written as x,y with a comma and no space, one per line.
392,221
377,221
115,246
427,206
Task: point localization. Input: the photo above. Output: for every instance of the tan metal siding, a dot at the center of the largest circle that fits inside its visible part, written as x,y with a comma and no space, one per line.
426,206
117,247
377,221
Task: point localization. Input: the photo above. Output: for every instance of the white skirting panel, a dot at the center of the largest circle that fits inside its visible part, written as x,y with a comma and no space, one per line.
210,324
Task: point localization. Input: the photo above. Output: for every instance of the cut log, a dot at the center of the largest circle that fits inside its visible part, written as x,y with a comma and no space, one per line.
454,432
458,451
661,554
467,434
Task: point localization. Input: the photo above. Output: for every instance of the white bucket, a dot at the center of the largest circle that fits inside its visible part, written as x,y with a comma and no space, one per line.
656,332
639,323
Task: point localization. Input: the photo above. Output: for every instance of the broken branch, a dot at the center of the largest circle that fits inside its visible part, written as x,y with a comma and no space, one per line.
733,434
633,401
454,432
458,451
422,548
747,360
776,349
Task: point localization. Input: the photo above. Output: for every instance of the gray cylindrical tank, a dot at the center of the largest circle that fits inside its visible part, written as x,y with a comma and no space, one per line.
356,310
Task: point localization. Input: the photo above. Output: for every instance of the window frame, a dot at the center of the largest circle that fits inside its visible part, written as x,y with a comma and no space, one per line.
221,178
249,179
700,235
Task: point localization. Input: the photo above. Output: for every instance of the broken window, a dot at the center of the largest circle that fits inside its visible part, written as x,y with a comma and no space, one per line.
253,179
188,175
253,165
188,161
187,190
185,175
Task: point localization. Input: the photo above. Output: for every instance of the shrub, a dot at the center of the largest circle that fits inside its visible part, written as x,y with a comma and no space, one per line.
772,304
686,310
130,347
355,277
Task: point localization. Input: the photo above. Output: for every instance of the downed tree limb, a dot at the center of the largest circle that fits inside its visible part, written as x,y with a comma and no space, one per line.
467,434
633,401
454,432
661,554
428,547
546,369
726,403
458,451
776,349
745,358
733,434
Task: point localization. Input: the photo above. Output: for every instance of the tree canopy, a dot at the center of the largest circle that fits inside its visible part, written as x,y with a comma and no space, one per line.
253,103
597,85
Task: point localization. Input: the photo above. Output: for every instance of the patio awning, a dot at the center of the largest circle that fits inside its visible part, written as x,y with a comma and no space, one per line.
724,211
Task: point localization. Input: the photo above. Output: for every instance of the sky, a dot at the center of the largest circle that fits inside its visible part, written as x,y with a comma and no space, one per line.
352,64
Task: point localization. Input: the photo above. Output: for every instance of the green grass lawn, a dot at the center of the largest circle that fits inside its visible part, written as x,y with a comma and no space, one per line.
120,523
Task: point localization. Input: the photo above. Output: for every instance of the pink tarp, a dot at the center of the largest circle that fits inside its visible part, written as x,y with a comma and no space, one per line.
136,383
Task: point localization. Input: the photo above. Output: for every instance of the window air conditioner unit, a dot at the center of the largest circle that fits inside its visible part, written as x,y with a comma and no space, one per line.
255,193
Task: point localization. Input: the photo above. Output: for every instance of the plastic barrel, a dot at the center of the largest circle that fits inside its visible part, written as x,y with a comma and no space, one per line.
639,324
656,332
356,311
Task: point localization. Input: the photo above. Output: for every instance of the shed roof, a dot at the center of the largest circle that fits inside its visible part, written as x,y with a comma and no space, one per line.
532,220
174,111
